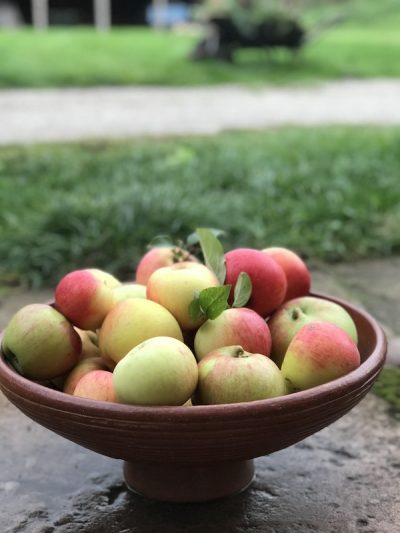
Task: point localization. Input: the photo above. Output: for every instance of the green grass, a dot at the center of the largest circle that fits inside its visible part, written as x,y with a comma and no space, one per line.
331,194
81,57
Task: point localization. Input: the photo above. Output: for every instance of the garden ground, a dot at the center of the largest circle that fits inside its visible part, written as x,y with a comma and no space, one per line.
108,113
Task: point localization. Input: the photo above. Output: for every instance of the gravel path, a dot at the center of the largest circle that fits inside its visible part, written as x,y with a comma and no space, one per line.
113,112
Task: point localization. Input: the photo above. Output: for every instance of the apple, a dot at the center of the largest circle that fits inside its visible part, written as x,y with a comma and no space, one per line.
133,321
80,369
41,343
174,287
107,278
297,274
129,290
89,346
188,403
294,314
84,298
158,257
267,278
232,375
318,353
159,371
96,385
233,326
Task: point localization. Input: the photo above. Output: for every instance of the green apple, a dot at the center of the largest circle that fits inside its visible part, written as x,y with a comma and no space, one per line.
41,343
133,321
129,290
159,371
232,375
89,343
318,353
174,287
296,313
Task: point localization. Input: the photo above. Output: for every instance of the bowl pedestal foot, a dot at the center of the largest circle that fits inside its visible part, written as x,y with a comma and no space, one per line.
188,483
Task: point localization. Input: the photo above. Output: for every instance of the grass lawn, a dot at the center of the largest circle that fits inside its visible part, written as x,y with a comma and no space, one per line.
81,57
331,194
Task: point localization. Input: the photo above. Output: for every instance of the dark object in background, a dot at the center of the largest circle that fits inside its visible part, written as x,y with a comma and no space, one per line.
224,37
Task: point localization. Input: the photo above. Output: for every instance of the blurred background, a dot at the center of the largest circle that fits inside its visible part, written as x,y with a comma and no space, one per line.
330,193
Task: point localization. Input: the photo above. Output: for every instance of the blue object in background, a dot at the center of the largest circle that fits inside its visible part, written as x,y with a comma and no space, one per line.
171,14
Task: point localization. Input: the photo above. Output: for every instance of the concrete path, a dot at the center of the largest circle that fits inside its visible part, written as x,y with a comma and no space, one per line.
344,479
55,115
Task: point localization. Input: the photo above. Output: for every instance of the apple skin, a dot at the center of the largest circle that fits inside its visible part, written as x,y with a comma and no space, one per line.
159,371
107,278
96,385
174,287
89,347
298,276
129,290
232,375
41,343
84,299
267,278
158,257
83,367
296,313
317,354
131,322
241,326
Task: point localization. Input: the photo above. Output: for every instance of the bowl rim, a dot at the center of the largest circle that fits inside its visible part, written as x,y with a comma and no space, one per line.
32,392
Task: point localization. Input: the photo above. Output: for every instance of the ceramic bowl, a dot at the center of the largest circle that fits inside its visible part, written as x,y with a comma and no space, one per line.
199,453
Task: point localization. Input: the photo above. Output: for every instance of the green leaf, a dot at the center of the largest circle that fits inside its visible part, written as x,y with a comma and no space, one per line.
213,253
214,300
195,310
194,239
242,292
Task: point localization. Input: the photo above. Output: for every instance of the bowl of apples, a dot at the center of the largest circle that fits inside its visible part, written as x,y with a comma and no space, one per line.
195,368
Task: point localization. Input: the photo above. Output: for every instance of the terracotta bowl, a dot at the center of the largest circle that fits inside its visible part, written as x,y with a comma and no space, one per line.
199,453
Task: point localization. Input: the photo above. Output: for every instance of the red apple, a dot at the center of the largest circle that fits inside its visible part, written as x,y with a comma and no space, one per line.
231,375
84,298
297,274
105,277
318,353
296,313
233,326
267,278
79,370
96,385
158,257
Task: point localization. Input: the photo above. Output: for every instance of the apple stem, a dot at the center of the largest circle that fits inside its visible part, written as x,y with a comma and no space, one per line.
295,313
239,352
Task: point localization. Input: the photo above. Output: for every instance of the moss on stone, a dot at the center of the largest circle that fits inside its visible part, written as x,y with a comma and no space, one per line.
387,387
